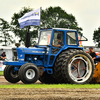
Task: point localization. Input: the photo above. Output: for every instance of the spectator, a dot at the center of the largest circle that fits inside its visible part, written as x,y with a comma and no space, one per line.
3,56
98,55
92,53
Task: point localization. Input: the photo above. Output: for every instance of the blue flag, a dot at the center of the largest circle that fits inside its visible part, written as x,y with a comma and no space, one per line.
30,18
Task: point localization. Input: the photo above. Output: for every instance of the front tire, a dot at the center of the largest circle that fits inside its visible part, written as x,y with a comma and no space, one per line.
29,73
11,75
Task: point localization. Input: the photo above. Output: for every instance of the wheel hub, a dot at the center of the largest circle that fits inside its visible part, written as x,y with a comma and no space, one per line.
13,73
30,73
78,69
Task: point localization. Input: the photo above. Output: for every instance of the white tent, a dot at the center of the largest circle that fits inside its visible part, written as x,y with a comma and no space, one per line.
9,55
8,51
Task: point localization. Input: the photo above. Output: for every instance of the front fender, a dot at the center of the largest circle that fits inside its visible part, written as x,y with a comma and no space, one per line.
14,63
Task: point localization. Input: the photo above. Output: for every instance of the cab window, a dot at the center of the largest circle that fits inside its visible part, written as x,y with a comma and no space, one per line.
71,38
58,42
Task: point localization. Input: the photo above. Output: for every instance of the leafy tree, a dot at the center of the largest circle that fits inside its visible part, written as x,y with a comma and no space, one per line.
21,33
57,17
96,37
5,37
50,17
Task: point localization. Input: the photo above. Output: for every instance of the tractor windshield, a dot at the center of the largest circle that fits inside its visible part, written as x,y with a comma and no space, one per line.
45,38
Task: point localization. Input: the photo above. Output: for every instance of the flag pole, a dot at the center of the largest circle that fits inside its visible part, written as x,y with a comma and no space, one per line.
40,19
28,29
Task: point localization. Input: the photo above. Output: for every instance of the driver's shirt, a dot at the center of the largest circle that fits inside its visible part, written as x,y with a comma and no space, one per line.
61,43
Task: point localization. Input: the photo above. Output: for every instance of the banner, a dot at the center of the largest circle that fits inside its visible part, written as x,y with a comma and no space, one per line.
2,66
30,18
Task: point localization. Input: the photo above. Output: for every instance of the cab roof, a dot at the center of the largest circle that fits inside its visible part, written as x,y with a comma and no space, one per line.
58,29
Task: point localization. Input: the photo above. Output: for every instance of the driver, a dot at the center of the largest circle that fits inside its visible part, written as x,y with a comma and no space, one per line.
59,41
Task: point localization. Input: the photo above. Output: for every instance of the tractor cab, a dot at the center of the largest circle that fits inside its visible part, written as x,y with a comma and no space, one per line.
58,39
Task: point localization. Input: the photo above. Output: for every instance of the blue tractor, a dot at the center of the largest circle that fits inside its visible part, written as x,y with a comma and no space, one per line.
57,58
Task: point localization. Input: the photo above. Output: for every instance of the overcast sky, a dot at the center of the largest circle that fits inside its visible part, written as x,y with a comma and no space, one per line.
86,12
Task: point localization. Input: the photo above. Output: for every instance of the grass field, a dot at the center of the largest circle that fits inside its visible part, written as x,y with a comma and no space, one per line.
1,73
65,86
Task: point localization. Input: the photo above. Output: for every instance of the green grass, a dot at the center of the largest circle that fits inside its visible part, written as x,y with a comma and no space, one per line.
65,86
1,73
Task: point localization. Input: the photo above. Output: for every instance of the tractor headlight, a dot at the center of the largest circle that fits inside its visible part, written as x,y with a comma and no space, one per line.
47,50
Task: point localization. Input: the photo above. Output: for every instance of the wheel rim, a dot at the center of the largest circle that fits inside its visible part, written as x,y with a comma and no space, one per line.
13,73
30,73
80,68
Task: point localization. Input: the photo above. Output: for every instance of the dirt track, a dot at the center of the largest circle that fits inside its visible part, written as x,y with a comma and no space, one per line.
47,94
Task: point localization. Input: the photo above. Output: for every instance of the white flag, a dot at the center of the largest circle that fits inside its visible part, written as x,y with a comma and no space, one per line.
30,18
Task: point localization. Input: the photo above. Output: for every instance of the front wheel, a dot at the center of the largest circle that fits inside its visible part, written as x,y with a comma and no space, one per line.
28,73
11,75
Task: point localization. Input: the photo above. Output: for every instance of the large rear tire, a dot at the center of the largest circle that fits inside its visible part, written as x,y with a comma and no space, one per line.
58,67
11,75
28,73
78,67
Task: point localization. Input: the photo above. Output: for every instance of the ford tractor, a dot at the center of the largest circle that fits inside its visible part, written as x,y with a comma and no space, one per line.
57,58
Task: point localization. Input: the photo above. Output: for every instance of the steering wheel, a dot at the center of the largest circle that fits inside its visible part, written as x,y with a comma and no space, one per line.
55,47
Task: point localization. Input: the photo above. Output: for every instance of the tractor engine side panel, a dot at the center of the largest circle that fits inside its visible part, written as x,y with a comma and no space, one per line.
36,59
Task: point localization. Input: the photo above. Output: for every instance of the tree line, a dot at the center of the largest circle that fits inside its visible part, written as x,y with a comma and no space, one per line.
50,18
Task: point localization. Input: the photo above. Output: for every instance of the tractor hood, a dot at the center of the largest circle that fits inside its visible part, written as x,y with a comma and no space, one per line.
34,51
